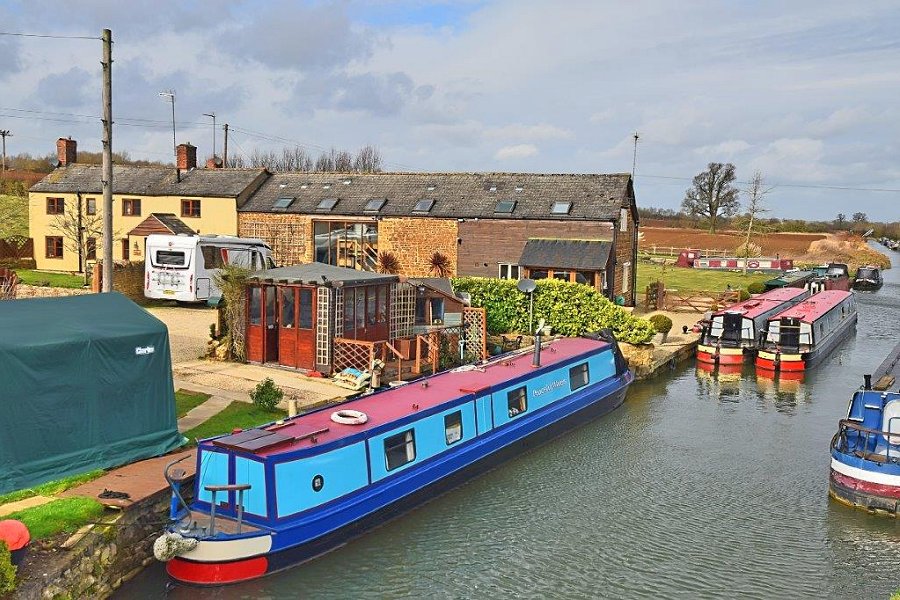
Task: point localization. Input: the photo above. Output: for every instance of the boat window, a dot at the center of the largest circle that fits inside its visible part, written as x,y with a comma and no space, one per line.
453,427
517,401
579,376
399,449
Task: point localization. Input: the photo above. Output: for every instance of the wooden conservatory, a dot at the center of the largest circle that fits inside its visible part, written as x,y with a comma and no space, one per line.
320,317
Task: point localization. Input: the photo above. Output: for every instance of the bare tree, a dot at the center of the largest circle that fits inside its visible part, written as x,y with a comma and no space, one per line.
368,160
756,192
236,162
840,220
81,231
712,194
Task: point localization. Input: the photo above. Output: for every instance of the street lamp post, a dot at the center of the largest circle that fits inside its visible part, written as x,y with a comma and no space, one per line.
213,115
170,95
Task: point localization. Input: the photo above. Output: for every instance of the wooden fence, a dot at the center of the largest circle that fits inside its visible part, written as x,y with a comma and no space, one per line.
16,247
658,297
676,250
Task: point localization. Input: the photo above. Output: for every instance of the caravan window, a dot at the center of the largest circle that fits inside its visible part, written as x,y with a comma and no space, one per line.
212,256
170,258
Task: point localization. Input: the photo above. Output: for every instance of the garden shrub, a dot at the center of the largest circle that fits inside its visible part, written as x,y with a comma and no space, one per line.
743,295
267,395
7,570
570,309
757,287
661,323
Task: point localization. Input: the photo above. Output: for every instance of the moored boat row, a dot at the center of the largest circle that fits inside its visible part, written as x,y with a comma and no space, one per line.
784,329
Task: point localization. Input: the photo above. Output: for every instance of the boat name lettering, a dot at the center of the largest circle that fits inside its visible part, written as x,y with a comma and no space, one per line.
548,388
142,350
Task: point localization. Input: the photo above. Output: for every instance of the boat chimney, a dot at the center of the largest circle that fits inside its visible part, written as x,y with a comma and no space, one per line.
536,360
868,382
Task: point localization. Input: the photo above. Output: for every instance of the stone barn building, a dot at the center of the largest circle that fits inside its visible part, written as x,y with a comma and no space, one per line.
580,228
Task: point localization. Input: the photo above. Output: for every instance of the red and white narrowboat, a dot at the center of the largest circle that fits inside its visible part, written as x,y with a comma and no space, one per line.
734,332
801,336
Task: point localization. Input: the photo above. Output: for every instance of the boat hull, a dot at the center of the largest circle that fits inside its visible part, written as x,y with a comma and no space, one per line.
722,356
580,411
867,286
863,489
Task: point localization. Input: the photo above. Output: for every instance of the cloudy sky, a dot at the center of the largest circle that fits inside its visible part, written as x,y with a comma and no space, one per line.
804,91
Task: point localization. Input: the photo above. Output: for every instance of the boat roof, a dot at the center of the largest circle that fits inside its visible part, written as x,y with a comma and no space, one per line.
790,277
417,396
814,307
764,302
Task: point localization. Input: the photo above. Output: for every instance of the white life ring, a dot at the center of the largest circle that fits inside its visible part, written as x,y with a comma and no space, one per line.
753,264
349,417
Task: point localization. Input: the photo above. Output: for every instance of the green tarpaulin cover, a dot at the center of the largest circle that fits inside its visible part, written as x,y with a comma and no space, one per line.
85,383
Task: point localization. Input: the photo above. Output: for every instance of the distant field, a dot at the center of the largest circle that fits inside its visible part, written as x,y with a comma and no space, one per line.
787,245
13,215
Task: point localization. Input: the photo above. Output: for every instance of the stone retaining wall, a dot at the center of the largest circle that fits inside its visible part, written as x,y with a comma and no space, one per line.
35,291
107,556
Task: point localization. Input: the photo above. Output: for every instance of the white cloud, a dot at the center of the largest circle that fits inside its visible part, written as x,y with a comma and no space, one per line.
520,131
723,150
517,151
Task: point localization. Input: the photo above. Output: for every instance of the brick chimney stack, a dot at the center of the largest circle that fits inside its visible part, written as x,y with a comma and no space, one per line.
214,163
66,151
187,157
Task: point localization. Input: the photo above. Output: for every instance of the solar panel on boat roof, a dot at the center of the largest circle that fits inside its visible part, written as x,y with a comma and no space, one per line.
252,440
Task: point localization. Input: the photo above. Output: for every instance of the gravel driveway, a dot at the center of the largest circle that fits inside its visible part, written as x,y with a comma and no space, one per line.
188,329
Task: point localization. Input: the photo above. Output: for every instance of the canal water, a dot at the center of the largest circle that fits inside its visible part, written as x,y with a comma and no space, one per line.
700,486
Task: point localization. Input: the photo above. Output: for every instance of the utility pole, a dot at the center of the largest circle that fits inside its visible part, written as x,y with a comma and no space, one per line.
634,157
213,115
107,177
225,150
4,133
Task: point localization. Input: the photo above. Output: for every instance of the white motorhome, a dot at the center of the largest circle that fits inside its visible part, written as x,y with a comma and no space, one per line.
181,267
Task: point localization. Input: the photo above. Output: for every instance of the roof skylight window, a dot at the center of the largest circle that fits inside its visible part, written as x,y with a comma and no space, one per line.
347,181
431,187
424,205
519,188
326,186
327,204
505,206
303,186
375,204
283,202
561,208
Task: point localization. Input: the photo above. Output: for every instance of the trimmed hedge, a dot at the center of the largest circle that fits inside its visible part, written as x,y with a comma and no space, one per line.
661,323
757,287
569,308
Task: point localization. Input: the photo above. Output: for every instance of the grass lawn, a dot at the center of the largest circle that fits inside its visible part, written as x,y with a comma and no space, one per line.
237,414
185,401
63,280
51,487
66,514
694,279
13,215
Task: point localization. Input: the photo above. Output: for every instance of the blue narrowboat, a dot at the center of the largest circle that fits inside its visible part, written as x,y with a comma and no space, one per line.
865,452
268,498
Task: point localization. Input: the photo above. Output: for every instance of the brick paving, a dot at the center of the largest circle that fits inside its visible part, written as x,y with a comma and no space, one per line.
139,480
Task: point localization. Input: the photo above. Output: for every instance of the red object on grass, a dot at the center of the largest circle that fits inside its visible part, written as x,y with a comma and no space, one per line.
15,534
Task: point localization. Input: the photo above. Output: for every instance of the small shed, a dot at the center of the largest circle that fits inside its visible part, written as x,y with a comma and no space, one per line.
436,303
577,261
86,384
295,313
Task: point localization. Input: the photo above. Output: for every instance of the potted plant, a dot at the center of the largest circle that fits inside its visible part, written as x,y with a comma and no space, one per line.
663,325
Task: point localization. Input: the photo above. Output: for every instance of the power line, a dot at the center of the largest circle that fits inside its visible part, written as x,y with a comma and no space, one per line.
790,185
55,37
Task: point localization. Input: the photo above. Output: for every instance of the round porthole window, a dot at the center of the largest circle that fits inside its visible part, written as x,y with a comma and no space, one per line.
318,482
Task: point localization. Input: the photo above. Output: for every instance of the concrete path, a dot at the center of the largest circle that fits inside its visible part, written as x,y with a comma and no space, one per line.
197,415
8,509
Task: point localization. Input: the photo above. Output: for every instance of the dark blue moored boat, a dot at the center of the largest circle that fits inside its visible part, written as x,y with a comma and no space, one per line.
272,497
865,452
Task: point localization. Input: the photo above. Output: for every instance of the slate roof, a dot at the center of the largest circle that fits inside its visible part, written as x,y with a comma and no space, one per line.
438,284
588,255
456,195
149,181
311,273
165,223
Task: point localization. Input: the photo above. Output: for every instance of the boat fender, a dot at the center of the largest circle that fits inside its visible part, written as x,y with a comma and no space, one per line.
170,544
349,417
